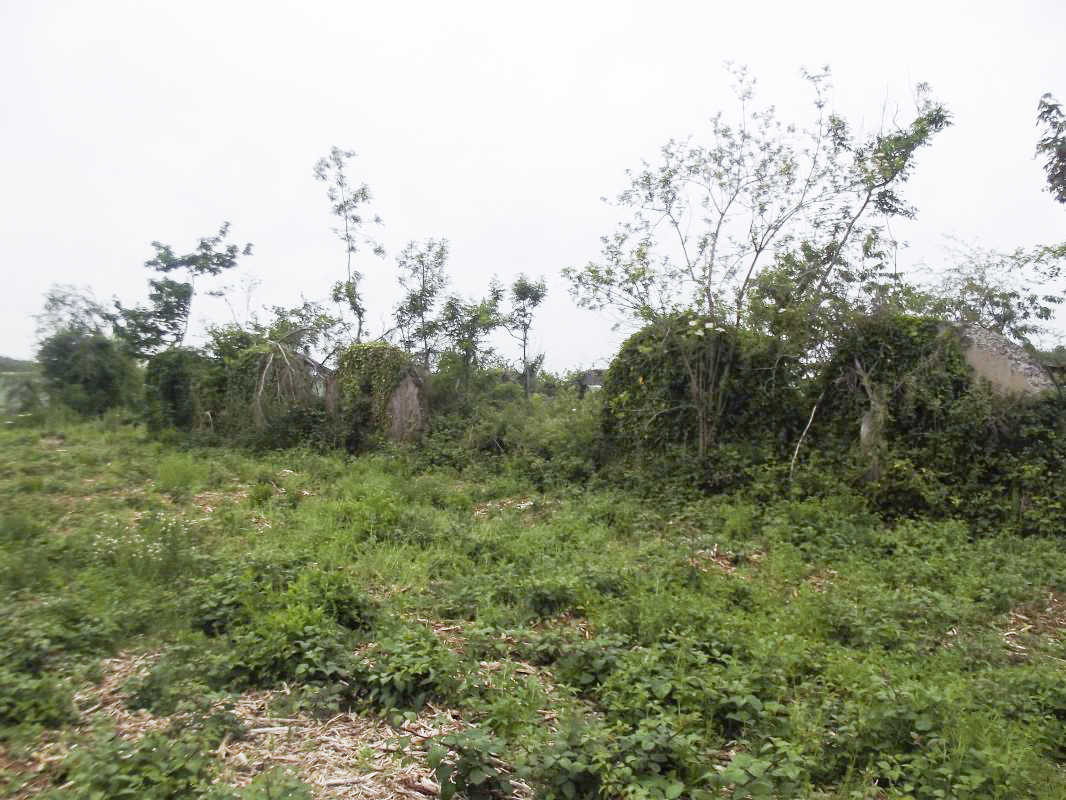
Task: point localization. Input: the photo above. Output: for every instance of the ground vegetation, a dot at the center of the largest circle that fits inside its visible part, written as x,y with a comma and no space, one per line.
506,628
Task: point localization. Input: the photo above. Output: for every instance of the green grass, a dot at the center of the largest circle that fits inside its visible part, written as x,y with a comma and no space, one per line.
791,647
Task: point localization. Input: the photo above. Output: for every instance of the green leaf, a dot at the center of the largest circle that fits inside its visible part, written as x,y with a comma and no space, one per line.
435,755
923,723
674,790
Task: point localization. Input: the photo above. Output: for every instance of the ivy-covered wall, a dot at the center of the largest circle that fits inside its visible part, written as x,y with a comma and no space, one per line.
911,370
903,412
898,413
175,390
368,375
649,404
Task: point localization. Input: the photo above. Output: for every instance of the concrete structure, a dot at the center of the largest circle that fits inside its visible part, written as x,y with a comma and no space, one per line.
1004,364
407,408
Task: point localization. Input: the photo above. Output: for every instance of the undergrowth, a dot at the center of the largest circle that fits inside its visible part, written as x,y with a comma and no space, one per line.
595,642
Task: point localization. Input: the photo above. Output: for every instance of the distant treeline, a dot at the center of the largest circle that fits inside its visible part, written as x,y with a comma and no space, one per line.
15,365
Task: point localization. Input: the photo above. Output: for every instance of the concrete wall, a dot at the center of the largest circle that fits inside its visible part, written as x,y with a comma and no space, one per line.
407,409
1002,363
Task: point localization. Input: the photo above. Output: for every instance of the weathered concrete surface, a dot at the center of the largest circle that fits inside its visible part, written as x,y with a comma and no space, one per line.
407,409
1007,366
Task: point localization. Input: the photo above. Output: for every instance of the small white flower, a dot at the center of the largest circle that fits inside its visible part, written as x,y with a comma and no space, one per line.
709,325
692,323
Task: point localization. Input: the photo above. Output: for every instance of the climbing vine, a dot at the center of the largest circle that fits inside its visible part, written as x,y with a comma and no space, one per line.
367,375
892,377
175,388
684,380
922,434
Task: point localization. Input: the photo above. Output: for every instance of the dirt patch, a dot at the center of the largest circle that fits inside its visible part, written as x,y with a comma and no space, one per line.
820,580
492,507
725,561
1034,623
208,502
346,756
532,509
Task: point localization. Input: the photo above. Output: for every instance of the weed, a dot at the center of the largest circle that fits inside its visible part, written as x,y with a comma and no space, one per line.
179,475
469,763
333,592
28,701
275,784
783,641
158,766
580,662
408,668
295,643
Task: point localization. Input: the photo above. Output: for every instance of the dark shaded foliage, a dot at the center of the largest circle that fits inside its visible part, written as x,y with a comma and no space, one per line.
87,372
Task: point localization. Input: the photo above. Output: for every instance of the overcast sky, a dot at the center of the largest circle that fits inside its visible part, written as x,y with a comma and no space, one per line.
497,125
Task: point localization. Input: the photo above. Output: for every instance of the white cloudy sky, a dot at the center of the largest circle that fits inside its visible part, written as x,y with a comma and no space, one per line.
498,125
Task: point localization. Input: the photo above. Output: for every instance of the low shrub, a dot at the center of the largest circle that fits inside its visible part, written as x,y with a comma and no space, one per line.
32,700
161,765
406,669
187,676
580,662
296,643
469,763
333,593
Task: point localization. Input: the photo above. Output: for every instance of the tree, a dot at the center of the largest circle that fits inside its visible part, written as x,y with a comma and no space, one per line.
1053,145
70,308
146,330
465,325
423,277
998,291
306,327
345,200
712,221
709,218
165,321
86,371
82,367
526,295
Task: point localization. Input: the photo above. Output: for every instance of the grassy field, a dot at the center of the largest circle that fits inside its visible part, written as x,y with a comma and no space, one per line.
206,623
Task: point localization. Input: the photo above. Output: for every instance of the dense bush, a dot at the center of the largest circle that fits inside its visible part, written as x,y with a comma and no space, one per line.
158,766
87,372
680,385
174,390
938,441
34,700
648,388
283,622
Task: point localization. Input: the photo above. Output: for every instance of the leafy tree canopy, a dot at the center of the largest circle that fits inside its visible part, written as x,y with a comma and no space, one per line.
423,278
710,217
526,295
465,324
72,308
86,371
345,201
1053,145
206,259
165,320
996,290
